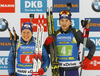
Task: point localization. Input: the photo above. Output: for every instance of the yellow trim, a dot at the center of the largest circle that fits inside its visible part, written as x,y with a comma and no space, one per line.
46,67
28,52
55,30
19,46
63,42
74,40
59,33
76,30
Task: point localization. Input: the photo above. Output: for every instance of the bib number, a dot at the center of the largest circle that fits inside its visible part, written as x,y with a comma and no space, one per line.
27,58
64,50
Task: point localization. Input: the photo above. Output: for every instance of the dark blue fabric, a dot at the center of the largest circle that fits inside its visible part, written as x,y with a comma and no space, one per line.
68,17
27,25
69,73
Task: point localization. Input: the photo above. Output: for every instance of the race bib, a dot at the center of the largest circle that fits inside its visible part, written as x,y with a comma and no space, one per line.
64,50
26,58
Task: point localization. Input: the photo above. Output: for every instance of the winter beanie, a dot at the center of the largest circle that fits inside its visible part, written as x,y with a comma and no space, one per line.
27,25
65,14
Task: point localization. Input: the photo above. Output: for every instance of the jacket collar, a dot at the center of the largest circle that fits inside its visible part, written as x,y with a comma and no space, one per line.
25,42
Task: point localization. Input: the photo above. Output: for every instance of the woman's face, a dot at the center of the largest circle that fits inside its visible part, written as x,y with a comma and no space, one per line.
26,35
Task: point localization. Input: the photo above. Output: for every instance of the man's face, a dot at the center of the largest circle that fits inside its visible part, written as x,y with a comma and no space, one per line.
65,23
26,35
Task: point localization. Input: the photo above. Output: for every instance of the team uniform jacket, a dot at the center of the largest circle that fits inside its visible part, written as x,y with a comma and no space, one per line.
24,59
67,49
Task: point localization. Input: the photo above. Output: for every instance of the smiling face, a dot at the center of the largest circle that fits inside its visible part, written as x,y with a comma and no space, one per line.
65,24
26,35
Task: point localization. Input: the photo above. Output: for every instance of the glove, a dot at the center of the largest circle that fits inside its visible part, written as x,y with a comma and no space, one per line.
85,63
41,71
12,74
49,40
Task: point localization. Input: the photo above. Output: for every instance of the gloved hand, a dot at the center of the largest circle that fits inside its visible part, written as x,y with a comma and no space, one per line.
12,74
85,63
41,71
49,40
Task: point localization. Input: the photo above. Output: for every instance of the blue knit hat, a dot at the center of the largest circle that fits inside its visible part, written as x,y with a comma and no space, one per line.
65,14
27,25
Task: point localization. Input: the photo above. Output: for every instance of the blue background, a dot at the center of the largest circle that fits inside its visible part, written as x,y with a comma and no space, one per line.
76,22
4,40
97,46
44,7
73,9
94,20
2,65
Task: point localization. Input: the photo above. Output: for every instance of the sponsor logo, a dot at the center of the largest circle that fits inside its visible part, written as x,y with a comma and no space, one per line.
7,6
5,44
96,5
26,47
27,72
96,41
24,71
74,23
64,5
94,24
94,64
59,5
67,64
27,26
64,37
36,22
3,63
3,24
30,6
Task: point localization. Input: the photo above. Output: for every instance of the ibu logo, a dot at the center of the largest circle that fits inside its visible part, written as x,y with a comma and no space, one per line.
33,6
